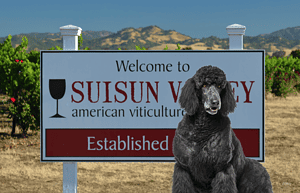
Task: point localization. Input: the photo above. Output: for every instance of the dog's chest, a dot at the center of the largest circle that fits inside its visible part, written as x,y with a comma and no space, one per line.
209,144
217,147
203,147
203,144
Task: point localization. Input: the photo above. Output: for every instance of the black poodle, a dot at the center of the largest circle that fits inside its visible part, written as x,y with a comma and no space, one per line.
209,157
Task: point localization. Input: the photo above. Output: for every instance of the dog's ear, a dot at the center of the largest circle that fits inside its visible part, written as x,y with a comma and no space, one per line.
227,99
188,98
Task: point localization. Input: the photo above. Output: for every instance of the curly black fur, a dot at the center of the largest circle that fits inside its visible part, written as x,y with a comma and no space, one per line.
209,157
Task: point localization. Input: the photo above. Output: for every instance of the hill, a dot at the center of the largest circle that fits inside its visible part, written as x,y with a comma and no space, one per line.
155,38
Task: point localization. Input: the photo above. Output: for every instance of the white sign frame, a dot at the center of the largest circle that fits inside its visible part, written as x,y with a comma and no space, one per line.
238,65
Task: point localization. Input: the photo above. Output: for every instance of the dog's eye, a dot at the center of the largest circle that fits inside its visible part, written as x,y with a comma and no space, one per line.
219,86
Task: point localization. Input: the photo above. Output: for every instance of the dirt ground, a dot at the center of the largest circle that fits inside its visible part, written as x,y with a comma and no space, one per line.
22,171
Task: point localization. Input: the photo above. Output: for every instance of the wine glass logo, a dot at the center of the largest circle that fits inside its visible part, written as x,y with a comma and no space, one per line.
57,89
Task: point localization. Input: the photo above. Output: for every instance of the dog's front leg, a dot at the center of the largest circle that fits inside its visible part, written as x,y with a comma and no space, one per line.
225,182
182,182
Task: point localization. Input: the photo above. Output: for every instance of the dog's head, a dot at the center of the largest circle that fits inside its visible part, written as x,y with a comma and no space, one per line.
208,90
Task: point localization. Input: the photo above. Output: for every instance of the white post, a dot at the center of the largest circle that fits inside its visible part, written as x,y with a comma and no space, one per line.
70,35
236,32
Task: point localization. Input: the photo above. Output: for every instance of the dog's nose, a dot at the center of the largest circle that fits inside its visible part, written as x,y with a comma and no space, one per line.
215,102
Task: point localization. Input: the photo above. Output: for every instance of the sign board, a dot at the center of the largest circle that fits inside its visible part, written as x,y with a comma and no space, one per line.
123,105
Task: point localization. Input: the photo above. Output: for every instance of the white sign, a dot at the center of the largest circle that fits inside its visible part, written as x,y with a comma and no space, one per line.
123,105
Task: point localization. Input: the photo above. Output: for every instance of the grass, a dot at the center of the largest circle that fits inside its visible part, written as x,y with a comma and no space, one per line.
22,171
7,142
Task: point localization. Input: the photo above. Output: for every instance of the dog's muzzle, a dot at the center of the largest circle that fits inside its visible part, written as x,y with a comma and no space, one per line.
213,101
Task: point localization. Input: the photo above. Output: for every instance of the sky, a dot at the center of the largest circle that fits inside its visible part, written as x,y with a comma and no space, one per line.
196,18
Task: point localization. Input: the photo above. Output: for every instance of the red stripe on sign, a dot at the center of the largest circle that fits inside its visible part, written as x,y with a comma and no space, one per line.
249,139
127,142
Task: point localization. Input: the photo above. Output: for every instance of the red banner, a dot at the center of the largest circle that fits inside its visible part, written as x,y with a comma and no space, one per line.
127,142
